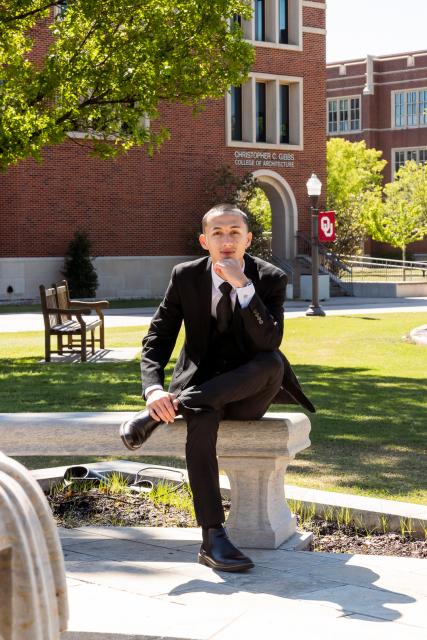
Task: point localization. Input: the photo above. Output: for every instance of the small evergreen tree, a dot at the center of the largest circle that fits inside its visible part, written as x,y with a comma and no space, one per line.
78,268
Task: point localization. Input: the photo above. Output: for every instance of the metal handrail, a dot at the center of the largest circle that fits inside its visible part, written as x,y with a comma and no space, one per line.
328,259
285,266
408,264
329,263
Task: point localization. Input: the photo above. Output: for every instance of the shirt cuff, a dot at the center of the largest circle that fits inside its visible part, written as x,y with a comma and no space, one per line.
152,388
245,295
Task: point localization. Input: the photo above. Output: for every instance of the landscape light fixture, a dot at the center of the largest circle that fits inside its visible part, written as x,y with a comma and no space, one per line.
314,189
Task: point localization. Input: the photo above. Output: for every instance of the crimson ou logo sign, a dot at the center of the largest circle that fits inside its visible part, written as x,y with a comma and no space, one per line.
326,226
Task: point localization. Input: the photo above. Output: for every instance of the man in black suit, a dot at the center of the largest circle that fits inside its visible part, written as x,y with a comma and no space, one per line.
230,366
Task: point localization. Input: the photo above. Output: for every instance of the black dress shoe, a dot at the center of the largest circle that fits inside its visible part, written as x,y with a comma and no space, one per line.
219,553
134,432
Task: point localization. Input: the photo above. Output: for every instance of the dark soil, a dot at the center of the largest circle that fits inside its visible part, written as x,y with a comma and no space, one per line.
334,538
127,510
97,508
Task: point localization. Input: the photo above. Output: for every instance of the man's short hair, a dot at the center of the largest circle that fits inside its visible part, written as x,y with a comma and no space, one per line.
224,208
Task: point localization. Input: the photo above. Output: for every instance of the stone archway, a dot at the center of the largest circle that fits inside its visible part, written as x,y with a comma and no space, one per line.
284,212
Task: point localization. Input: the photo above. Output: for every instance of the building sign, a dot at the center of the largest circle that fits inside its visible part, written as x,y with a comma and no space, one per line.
326,228
264,159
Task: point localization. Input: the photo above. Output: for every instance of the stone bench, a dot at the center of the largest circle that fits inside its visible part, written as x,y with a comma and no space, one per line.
253,454
33,594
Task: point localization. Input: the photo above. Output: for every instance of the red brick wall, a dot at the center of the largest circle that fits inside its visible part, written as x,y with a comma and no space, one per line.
138,205
389,75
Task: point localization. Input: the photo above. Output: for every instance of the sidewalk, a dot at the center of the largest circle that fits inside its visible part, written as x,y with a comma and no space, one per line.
144,583
15,322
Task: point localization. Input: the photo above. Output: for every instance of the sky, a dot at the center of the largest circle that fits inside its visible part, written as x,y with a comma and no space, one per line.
356,28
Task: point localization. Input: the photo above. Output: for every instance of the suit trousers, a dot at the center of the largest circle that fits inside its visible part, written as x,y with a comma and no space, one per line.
244,393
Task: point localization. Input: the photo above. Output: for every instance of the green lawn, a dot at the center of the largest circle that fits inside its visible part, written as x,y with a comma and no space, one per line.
368,383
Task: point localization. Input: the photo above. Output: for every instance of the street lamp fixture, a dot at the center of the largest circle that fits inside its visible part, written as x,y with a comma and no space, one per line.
314,189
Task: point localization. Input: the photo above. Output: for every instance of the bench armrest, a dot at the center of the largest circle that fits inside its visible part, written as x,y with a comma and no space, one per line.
98,304
70,311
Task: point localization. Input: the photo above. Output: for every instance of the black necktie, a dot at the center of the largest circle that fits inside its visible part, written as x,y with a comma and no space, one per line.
224,311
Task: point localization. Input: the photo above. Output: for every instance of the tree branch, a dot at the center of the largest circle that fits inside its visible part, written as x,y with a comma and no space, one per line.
27,14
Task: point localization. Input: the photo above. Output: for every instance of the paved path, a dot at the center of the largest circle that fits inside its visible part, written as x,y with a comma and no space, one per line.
144,583
15,322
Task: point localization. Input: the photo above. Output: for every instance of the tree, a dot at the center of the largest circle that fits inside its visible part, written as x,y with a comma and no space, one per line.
78,268
402,218
259,207
354,188
106,67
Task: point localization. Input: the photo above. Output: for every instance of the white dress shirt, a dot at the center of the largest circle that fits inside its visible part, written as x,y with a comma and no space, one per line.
244,294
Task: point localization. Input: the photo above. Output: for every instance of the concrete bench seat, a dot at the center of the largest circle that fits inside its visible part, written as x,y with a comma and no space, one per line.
254,454
33,592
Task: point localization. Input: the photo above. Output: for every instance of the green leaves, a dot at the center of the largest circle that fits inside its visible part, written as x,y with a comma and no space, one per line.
354,190
105,68
402,217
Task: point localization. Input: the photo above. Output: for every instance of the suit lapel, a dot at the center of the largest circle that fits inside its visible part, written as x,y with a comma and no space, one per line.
204,306
251,270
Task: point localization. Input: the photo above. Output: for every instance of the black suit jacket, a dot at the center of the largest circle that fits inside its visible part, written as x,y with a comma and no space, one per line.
188,298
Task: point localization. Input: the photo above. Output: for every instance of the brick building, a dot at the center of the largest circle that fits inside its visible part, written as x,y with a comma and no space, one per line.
141,213
382,100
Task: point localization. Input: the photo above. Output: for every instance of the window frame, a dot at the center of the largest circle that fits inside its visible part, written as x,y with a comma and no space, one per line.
273,114
294,26
338,100
405,151
419,124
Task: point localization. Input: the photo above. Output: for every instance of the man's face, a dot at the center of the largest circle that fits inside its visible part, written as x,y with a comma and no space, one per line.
226,236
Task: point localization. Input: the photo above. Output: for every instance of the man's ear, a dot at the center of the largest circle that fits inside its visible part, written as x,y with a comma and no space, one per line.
202,240
248,244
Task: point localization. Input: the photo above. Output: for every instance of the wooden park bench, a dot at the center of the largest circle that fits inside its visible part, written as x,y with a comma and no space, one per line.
68,318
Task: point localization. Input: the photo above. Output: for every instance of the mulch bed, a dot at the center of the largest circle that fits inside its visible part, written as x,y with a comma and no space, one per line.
93,507
334,538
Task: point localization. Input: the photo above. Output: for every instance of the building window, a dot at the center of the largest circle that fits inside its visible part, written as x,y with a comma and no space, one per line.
410,108
236,113
260,112
332,116
422,107
283,21
399,109
259,20
274,23
355,114
402,156
344,114
265,111
284,114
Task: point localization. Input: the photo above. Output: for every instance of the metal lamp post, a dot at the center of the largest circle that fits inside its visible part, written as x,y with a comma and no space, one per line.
314,189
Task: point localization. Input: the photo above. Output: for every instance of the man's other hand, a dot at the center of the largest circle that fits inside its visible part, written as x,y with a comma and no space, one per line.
231,270
162,405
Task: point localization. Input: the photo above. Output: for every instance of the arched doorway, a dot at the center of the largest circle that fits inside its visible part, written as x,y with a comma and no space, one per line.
284,212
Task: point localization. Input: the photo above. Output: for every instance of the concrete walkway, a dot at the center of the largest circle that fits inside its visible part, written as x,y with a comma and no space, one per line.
15,322
144,583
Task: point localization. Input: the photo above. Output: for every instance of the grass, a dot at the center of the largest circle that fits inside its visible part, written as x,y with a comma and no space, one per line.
369,386
114,304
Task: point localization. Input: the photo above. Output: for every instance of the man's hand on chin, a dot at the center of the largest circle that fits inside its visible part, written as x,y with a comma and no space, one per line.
231,270
162,405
